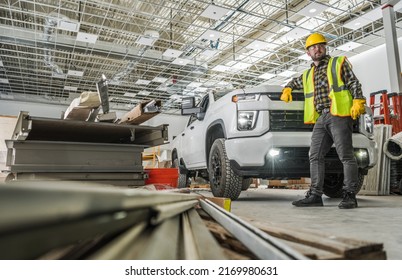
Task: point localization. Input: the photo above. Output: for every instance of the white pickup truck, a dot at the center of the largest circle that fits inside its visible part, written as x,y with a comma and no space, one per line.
249,133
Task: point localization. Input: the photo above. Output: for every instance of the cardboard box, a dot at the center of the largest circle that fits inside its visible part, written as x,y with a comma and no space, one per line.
137,115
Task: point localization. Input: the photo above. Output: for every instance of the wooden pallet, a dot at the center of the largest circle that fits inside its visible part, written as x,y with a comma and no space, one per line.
312,244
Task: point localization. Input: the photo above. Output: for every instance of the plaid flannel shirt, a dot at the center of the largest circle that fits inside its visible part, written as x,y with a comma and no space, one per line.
321,86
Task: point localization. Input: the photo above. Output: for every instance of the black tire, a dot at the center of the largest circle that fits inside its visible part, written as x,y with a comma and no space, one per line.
333,184
223,180
183,180
400,186
246,184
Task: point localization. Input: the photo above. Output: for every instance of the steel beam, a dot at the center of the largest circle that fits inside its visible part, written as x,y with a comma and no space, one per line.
262,245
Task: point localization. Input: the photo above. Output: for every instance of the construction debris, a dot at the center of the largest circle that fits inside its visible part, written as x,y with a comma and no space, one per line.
377,181
315,245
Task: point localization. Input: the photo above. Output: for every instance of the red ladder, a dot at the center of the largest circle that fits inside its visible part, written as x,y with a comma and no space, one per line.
387,109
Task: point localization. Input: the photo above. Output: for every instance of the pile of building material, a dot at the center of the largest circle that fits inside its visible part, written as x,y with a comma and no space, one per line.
315,245
56,149
377,181
301,183
393,150
104,222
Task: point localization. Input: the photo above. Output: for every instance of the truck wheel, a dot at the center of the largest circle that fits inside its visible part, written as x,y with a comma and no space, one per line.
182,181
246,184
223,180
333,184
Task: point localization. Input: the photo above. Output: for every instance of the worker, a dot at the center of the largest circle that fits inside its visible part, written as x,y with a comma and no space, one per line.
333,99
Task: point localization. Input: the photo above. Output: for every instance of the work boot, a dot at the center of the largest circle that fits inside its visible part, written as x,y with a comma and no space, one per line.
349,201
310,200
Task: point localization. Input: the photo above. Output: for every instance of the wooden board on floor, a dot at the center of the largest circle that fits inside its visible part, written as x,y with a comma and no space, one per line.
314,245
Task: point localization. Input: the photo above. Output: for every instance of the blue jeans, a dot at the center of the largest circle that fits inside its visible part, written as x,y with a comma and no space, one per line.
330,130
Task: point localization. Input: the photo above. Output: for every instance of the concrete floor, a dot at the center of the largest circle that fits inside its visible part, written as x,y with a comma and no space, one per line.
377,219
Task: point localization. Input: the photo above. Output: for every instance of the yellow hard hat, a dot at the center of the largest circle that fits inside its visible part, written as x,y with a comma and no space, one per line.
314,39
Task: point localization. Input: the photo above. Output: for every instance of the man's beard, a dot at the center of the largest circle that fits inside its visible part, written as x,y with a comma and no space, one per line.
319,57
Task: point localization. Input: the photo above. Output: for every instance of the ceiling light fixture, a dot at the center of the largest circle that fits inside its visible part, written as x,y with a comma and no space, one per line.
364,19
86,37
214,12
142,82
70,88
348,46
172,53
181,61
59,75
68,25
241,66
313,9
130,94
159,80
144,92
75,73
221,68
211,34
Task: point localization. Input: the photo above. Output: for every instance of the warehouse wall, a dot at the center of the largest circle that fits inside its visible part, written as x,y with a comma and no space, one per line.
371,67
12,108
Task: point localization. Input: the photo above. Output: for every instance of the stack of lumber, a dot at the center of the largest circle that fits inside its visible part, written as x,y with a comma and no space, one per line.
377,181
301,183
312,244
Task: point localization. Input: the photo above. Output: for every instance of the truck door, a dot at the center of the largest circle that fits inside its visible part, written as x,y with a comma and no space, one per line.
193,139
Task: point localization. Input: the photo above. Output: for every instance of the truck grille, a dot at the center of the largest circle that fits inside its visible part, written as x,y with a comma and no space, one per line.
282,120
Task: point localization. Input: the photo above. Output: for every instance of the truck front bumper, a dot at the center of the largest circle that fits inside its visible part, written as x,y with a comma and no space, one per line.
285,154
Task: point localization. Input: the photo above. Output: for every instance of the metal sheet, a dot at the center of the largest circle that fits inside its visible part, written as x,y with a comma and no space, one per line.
53,156
31,243
47,129
23,204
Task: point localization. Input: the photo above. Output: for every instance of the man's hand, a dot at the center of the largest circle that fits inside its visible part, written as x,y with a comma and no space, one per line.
287,95
357,108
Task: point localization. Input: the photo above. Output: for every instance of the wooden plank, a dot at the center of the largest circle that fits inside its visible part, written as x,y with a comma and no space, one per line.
313,253
227,240
348,247
315,245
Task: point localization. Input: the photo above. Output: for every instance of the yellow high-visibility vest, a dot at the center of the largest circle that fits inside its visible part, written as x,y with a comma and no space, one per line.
341,98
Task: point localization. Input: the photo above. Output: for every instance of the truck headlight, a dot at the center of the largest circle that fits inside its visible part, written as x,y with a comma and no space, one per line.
274,152
245,97
246,120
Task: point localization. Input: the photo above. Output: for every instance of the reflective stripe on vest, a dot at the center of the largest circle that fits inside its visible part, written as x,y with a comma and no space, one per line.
341,99
310,114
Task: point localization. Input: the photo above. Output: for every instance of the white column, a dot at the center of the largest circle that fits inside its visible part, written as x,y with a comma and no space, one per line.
391,43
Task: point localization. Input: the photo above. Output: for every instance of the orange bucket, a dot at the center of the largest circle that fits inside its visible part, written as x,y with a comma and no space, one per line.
163,176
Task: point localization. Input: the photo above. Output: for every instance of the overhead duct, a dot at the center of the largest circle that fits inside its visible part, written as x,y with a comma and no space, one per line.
149,37
393,147
48,31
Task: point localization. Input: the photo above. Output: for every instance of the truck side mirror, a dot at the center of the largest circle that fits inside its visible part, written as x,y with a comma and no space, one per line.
188,106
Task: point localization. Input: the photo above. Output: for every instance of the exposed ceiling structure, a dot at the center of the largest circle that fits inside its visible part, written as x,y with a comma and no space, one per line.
51,50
